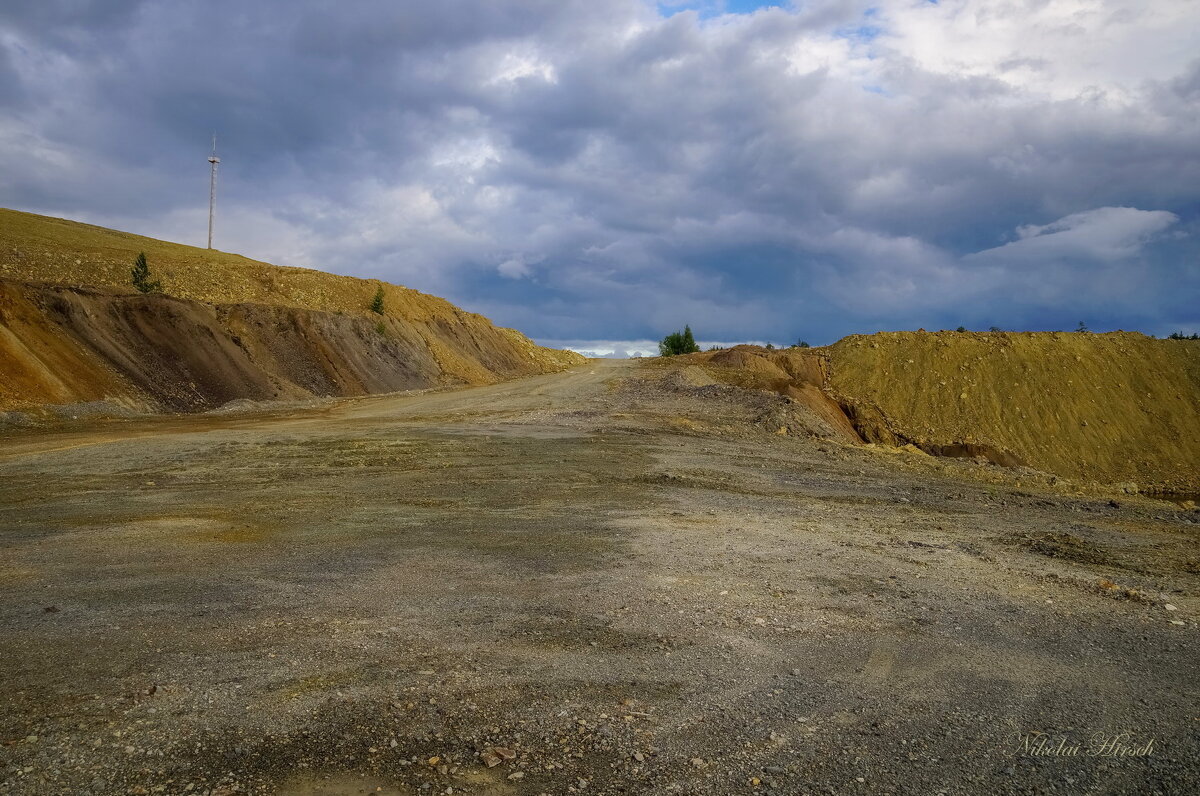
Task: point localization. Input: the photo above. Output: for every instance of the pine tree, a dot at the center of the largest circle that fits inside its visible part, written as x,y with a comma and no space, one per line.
377,302
141,276
678,343
689,342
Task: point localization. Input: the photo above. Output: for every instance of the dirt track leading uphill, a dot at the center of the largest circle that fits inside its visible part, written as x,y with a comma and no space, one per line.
623,580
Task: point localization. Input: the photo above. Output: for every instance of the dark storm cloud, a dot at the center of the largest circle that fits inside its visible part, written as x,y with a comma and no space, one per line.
599,170
68,22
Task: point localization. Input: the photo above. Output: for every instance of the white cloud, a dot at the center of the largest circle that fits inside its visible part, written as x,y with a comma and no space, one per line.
517,64
1103,234
626,349
1057,48
513,268
606,349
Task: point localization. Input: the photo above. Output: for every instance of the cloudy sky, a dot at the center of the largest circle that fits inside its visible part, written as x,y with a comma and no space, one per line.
601,172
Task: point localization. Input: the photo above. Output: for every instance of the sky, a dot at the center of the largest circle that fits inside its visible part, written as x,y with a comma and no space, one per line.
597,173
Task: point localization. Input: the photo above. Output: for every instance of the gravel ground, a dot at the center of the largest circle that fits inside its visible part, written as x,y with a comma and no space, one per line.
592,582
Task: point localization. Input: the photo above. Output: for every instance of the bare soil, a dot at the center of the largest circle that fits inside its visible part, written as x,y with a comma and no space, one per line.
1118,407
603,580
74,330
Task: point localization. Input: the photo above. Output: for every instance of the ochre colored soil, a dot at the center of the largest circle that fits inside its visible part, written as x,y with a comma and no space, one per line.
1116,407
73,329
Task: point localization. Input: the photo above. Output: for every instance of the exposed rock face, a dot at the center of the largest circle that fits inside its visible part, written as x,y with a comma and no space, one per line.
72,329
62,345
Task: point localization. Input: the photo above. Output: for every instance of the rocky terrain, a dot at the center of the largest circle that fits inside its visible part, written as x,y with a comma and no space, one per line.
617,579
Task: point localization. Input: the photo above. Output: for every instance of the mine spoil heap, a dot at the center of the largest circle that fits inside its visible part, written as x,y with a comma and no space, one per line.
74,330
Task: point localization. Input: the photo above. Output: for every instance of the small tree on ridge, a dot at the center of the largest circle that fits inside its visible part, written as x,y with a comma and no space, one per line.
141,276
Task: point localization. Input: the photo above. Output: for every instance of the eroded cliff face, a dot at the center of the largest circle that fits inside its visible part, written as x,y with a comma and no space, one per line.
64,345
73,329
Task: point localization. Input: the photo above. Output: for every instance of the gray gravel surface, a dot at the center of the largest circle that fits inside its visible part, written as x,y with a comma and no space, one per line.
596,582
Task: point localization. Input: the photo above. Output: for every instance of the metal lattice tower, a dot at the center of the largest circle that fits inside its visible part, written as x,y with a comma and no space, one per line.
212,189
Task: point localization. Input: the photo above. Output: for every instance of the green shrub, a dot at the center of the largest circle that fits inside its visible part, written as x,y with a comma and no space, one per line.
141,276
377,302
678,343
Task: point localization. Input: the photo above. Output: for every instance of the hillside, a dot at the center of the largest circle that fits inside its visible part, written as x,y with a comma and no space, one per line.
1108,408
1116,407
73,329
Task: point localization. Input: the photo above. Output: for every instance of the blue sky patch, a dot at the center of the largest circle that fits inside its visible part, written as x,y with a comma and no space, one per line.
713,8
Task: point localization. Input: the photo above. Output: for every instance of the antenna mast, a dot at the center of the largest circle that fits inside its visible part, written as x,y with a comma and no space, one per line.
212,189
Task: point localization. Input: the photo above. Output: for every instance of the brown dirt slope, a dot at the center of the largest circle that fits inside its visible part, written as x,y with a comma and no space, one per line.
801,375
1116,407
72,329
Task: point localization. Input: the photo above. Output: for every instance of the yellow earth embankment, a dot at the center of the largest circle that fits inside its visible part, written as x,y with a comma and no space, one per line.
73,329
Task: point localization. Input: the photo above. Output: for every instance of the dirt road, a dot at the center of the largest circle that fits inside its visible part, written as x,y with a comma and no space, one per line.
599,582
